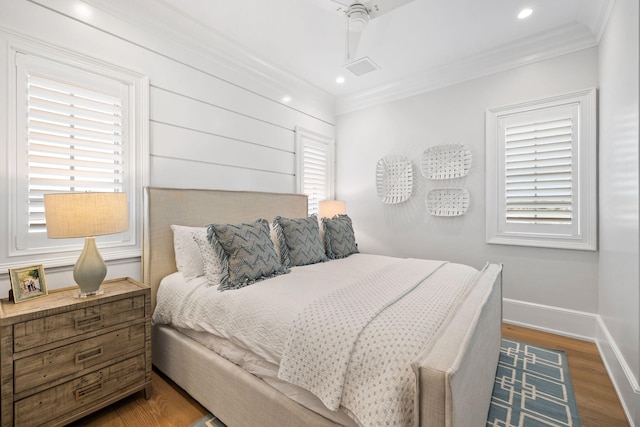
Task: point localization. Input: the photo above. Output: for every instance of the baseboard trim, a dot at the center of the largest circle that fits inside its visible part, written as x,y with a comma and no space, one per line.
556,320
587,327
620,373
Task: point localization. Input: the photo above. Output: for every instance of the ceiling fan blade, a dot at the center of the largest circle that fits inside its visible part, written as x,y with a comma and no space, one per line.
351,48
342,2
339,7
380,7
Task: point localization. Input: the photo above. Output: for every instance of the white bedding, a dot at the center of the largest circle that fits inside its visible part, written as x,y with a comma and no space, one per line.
257,319
327,334
354,348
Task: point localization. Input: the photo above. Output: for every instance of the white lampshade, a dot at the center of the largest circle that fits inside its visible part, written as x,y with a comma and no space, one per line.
331,208
87,215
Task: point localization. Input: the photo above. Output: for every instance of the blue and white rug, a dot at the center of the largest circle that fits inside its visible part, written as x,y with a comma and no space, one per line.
532,389
208,421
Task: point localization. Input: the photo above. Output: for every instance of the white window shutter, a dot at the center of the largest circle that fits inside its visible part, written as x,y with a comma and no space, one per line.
314,153
78,125
75,142
538,177
541,173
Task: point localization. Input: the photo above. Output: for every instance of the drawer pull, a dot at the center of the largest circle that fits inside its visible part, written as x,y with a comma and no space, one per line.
85,391
89,354
85,322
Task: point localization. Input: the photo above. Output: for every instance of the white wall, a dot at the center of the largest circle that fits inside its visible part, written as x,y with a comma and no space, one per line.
550,288
211,126
619,290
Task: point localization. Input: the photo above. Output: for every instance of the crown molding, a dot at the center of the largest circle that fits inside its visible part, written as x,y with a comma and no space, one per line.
596,15
194,42
546,45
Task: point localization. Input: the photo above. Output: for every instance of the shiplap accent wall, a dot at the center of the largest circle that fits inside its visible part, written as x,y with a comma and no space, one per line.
209,127
204,145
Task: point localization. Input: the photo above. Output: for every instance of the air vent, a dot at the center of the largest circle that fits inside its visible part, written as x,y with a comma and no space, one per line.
362,66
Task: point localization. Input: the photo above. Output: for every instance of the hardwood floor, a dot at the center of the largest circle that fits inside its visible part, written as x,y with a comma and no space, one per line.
169,406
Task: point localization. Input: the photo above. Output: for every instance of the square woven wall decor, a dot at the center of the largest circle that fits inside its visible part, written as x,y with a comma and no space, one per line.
445,161
447,201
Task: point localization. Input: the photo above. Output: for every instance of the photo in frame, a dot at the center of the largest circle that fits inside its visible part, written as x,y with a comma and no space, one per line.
28,282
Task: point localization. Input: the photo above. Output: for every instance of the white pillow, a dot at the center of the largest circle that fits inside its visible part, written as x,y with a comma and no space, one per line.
188,257
214,266
274,238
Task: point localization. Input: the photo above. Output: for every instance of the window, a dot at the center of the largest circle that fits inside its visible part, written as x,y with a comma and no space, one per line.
541,173
79,126
314,171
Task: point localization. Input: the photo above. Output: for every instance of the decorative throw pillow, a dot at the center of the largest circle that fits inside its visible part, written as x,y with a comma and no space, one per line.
299,241
339,238
188,259
210,254
247,251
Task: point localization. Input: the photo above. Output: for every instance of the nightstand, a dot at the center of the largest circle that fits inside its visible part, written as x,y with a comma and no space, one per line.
62,357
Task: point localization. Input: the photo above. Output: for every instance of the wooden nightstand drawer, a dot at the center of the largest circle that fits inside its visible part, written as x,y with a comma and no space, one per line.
67,399
50,329
63,357
49,366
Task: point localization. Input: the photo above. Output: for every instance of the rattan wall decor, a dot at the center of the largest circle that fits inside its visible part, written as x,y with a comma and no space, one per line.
447,201
445,161
394,179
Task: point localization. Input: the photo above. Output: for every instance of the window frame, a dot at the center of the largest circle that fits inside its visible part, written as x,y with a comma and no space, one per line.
63,252
582,233
306,137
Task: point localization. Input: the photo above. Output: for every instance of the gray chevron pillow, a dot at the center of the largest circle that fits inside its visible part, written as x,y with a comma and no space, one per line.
340,241
249,255
299,241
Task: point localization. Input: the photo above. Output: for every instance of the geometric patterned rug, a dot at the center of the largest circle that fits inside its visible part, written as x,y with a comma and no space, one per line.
208,421
532,389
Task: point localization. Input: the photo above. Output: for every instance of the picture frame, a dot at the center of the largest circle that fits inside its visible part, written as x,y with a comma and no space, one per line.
28,282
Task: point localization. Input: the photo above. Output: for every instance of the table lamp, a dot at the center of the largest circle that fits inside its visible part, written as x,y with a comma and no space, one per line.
87,215
331,208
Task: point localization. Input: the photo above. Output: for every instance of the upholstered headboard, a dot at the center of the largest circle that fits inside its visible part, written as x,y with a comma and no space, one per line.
167,206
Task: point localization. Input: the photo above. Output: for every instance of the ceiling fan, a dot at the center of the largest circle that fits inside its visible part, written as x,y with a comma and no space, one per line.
357,15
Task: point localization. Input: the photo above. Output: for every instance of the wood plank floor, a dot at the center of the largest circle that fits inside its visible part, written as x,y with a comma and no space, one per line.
169,406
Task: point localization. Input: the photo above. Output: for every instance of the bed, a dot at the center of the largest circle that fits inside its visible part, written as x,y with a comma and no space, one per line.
454,378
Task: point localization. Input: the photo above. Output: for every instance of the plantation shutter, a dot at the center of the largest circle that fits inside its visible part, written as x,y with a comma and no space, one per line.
76,124
314,167
541,172
315,160
74,141
539,168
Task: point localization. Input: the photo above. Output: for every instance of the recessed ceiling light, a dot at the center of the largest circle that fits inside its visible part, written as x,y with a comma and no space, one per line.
340,80
286,99
83,10
525,13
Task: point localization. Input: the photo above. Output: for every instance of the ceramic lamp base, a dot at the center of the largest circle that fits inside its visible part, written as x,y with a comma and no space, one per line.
90,269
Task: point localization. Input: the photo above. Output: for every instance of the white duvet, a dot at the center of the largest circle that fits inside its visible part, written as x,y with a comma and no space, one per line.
257,317
260,318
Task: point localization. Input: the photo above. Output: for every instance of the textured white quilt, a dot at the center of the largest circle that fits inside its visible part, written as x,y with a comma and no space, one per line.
378,386
322,340
257,317
353,348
